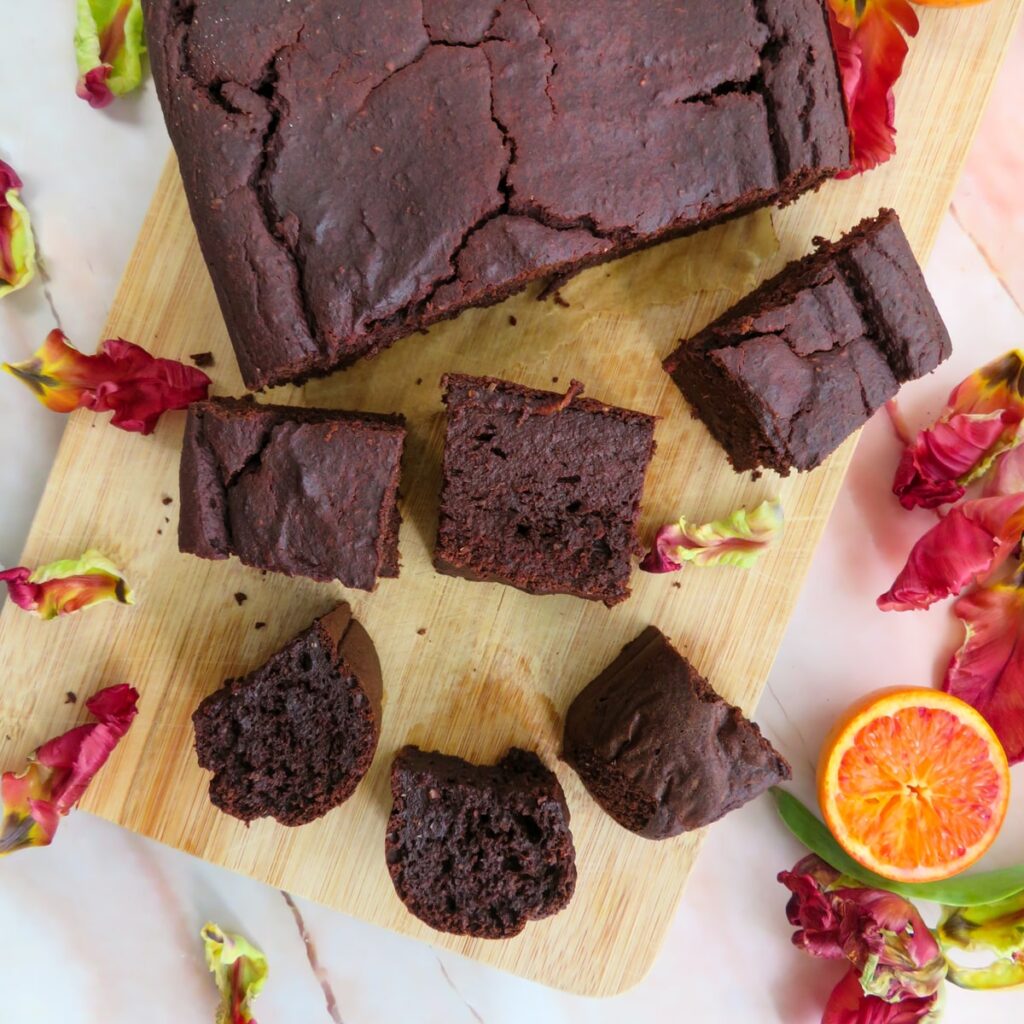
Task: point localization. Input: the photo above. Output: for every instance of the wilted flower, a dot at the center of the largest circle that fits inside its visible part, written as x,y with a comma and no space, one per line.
109,46
17,243
240,970
59,772
738,539
895,959
67,586
982,418
121,378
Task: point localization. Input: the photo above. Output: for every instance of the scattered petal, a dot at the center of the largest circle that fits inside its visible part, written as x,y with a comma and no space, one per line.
240,970
67,586
1007,474
988,669
996,929
971,541
121,378
871,45
109,46
738,539
850,1004
59,772
982,419
17,243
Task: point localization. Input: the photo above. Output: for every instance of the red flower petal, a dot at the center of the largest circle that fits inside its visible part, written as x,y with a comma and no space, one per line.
967,544
67,586
92,87
982,418
848,1004
988,669
121,378
78,755
59,772
871,47
17,243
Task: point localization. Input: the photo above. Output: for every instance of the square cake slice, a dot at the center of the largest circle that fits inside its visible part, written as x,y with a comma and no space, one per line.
658,749
304,492
357,171
541,491
791,371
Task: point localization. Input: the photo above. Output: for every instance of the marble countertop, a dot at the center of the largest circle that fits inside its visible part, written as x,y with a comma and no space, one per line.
102,927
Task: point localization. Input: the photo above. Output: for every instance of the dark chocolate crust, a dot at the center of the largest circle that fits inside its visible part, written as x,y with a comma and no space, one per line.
293,739
541,491
786,375
304,492
658,749
358,171
475,849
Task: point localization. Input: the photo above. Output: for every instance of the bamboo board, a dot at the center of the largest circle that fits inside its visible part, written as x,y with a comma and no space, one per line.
469,668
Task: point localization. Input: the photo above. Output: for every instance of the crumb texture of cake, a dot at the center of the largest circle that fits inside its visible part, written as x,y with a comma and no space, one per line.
658,749
541,491
791,371
292,739
358,171
304,492
479,850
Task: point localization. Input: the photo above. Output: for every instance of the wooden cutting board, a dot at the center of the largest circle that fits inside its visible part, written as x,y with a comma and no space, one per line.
469,668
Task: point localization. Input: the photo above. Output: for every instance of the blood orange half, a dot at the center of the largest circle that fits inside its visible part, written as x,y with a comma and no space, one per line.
914,784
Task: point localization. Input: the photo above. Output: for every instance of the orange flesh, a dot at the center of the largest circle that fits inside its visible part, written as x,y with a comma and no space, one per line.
918,788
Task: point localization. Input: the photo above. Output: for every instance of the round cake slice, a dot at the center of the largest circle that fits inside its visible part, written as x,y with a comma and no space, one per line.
658,749
478,849
293,739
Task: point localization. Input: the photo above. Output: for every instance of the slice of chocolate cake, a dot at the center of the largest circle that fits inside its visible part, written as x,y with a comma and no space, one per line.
304,492
541,491
787,374
479,850
658,749
293,738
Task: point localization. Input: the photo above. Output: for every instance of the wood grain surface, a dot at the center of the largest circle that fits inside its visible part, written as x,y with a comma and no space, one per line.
469,668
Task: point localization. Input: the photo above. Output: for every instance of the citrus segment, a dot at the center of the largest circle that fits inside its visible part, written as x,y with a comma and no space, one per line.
914,784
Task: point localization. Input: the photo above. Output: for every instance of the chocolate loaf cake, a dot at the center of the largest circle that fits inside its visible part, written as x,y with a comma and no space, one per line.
786,375
358,171
658,749
541,491
294,738
479,850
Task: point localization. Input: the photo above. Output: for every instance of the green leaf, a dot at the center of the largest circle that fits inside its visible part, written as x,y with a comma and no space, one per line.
974,890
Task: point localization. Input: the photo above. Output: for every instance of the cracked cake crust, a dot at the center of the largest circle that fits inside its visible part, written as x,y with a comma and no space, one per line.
357,172
785,376
304,492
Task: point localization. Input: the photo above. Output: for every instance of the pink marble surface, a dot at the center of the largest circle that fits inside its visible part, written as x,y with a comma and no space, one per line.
102,927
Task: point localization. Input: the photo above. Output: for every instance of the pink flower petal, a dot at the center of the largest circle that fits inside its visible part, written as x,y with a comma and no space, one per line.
966,545
988,669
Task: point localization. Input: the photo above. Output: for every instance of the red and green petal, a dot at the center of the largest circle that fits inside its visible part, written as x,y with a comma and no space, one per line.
967,544
738,539
59,772
981,420
67,586
988,669
239,969
850,1004
109,45
121,377
17,243
871,44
